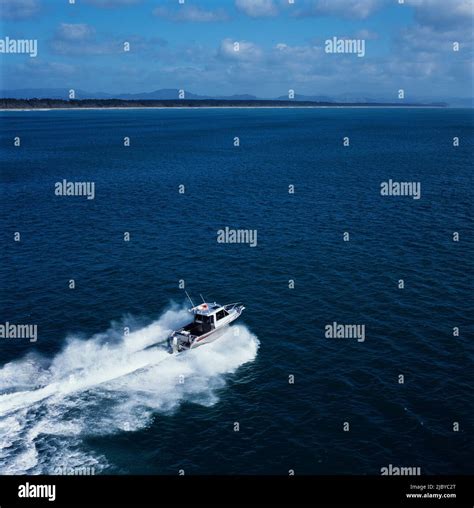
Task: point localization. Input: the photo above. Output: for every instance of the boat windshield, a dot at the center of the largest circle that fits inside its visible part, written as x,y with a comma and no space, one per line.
199,318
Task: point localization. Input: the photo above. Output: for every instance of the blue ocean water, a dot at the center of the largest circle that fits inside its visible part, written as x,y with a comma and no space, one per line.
84,395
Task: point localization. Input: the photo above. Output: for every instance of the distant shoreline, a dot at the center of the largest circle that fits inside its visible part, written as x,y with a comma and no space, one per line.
119,104
122,108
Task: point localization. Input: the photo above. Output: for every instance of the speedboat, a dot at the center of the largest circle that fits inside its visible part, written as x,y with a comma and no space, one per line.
209,323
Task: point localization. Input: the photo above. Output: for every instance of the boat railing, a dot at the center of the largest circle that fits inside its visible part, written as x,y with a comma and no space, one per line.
231,306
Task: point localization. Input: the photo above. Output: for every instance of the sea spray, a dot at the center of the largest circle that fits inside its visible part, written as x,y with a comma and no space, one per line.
106,384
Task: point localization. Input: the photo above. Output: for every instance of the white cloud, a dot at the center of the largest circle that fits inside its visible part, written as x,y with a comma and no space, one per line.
443,13
74,31
190,13
18,9
257,8
438,25
80,39
352,9
239,50
368,35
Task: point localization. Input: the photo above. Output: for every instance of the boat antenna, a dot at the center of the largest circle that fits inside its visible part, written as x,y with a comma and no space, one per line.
203,301
192,303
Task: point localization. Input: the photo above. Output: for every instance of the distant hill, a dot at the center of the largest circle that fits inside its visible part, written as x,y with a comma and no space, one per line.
51,93
366,99
163,94
243,97
169,94
312,98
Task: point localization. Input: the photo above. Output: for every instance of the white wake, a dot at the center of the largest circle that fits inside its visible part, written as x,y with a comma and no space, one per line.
102,385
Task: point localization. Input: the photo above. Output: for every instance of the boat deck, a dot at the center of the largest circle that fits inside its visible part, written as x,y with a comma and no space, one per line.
197,329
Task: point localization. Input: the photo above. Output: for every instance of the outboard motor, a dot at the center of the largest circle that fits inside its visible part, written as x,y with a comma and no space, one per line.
174,346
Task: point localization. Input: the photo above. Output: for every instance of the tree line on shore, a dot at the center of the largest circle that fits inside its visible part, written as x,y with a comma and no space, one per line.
173,103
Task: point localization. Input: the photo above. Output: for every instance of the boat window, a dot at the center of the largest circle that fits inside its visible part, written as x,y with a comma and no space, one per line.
221,314
199,318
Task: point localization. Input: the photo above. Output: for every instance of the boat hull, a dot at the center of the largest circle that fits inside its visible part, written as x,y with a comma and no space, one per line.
211,337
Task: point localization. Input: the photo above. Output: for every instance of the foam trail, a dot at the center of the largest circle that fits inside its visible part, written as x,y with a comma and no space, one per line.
106,384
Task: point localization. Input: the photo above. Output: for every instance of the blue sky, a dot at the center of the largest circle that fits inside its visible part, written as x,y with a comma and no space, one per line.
281,46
